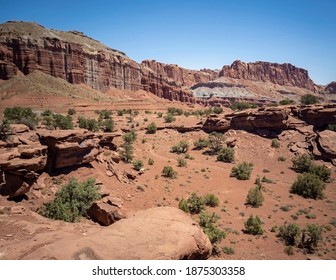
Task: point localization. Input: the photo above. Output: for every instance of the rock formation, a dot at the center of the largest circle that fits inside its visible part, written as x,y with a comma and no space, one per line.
164,233
282,74
72,56
331,88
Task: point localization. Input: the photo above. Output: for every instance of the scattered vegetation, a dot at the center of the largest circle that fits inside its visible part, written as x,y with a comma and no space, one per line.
239,106
181,147
255,197
169,118
253,225
138,164
211,200
169,172
302,163
201,143
275,143
151,128
22,115
242,171
331,127
4,129
208,224
308,185
226,155
194,204
150,161
181,162
308,99
228,250
287,101
72,201
216,142
71,111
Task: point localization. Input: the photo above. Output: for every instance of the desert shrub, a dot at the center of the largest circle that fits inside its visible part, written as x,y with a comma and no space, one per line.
331,127
287,101
62,122
217,110
104,114
289,250
290,234
321,171
275,143
120,113
47,112
308,99
226,155
266,180
281,158
92,125
302,163
159,114
127,152
308,185
108,125
23,115
207,222
175,111
71,111
181,147
228,250
4,129
242,106
72,201
216,142
137,164
181,162
194,204
211,200
169,172
253,225
201,143
255,197
169,118
130,137
151,128
150,161
82,122
242,171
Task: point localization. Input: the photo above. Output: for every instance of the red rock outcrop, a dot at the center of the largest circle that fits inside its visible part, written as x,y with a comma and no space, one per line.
331,88
72,56
281,74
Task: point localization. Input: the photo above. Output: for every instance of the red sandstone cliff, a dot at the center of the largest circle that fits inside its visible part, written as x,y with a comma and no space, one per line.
281,74
72,56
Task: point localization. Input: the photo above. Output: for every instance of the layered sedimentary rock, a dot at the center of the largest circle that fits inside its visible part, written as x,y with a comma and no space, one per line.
281,74
26,47
331,88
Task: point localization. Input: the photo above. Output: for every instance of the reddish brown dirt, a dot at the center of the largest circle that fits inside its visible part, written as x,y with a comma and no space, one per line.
203,174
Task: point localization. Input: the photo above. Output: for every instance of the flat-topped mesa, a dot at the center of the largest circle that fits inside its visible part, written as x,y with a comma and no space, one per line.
282,74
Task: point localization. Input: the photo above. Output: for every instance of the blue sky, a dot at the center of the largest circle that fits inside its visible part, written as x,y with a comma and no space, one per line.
199,34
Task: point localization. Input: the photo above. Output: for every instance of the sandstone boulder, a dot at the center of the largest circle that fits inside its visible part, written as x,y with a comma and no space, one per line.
326,142
164,233
104,213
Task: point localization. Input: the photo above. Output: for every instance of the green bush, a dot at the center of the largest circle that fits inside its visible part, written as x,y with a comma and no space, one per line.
71,111
169,172
207,222
228,250
47,112
211,200
331,127
275,143
253,225
217,110
138,164
308,99
72,201
169,118
104,114
242,171
181,162
242,106
62,122
290,234
150,161
226,155
194,204
108,125
287,102
159,114
321,171
22,115
92,125
127,152
151,128
302,163
216,142
175,111
130,137
181,147
308,185
201,143
255,197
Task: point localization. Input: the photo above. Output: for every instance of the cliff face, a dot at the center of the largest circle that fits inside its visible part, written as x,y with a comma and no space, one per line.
72,56
281,74
331,88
